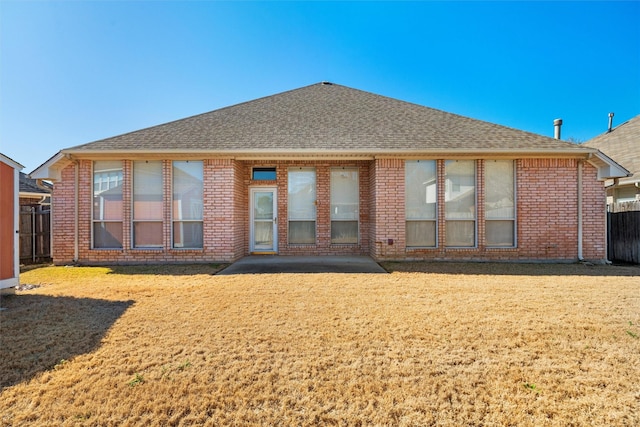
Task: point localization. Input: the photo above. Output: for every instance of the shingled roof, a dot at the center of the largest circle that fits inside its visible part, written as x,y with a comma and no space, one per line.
327,117
623,145
326,120
30,186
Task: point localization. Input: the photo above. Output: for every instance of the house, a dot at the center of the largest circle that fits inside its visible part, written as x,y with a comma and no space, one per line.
33,193
9,258
622,143
35,220
328,170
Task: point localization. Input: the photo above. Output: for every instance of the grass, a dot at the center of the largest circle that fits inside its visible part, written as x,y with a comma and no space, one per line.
427,344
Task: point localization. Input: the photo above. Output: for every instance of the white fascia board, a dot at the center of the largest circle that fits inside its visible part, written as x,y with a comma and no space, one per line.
10,162
93,154
50,170
607,167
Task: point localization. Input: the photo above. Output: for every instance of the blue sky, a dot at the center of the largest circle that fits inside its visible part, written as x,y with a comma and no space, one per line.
73,72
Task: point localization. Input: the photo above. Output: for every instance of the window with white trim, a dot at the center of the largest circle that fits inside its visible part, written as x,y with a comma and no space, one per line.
187,204
500,203
147,204
345,201
460,203
302,205
421,197
107,204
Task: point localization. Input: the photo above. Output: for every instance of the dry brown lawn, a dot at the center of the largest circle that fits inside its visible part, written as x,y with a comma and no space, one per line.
428,344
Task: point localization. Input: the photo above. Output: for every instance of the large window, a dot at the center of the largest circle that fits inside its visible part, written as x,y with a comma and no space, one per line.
107,204
460,203
344,205
420,203
302,206
187,204
147,204
500,212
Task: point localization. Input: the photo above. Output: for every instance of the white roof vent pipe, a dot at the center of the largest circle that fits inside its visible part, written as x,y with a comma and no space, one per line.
557,124
610,122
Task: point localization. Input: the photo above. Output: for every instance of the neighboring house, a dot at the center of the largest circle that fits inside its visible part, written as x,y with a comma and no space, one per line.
35,220
328,170
9,258
622,144
34,193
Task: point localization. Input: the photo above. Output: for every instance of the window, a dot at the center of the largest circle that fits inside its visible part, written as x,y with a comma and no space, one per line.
147,204
460,203
420,203
187,204
344,205
107,205
302,206
500,212
263,174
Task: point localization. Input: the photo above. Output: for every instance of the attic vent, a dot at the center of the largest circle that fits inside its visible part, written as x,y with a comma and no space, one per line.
327,83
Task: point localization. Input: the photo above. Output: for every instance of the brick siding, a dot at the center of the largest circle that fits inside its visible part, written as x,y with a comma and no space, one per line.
547,226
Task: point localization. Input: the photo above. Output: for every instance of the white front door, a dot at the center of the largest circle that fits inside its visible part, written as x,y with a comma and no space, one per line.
264,220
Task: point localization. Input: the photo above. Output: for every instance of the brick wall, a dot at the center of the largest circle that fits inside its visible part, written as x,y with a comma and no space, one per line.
546,214
388,236
547,225
63,217
594,222
323,245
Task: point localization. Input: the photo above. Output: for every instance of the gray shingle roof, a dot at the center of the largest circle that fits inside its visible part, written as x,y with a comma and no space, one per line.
28,185
622,144
328,117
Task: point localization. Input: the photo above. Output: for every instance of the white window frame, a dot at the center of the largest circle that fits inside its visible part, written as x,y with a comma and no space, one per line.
315,207
183,221
133,202
95,221
514,218
331,196
448,184
437,206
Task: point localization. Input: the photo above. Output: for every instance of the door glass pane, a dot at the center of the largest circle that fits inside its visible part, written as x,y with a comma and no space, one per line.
263,235
263,205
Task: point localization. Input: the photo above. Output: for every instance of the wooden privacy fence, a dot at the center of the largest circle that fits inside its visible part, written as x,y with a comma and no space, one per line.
35,234
623,232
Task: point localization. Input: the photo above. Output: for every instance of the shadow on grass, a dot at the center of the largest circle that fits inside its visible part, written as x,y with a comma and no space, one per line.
512,269
167,269
39,332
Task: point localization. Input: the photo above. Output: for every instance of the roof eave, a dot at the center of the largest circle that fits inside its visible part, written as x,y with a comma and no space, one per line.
607,167
52,168
309,153
9,161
